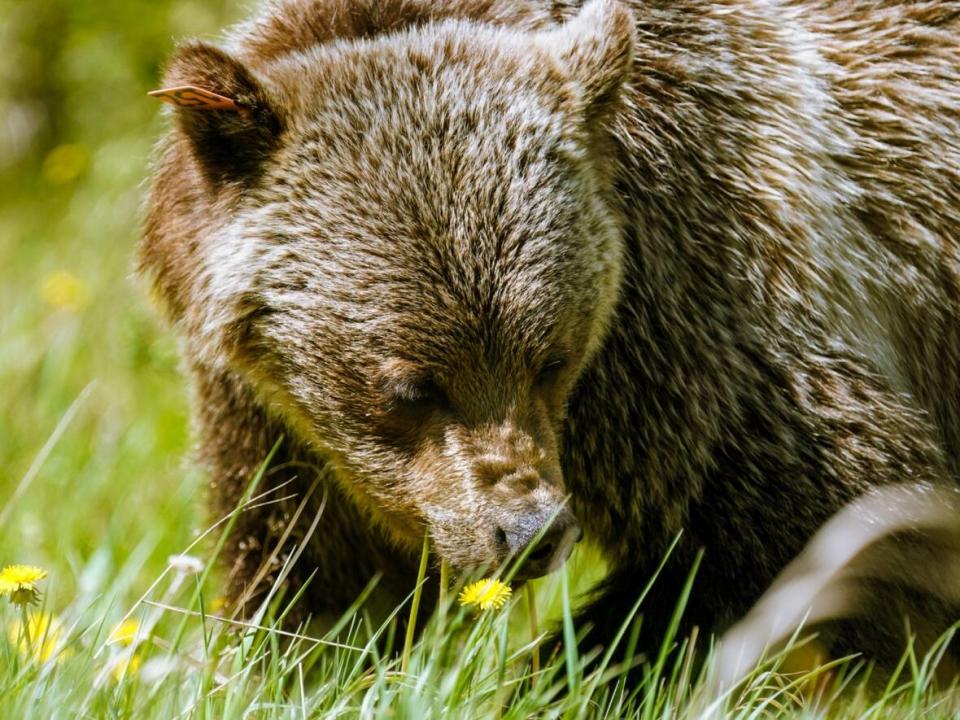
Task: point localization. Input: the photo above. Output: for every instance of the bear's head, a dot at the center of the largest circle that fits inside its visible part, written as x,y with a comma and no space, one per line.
408,245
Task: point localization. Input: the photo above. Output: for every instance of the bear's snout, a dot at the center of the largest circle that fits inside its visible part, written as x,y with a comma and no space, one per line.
549,547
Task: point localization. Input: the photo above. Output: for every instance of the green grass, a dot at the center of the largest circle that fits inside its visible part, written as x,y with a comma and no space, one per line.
95,488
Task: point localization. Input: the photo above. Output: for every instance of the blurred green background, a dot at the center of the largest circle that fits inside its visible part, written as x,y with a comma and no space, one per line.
76,132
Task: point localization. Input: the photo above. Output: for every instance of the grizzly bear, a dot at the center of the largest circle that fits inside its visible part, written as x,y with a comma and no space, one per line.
497,270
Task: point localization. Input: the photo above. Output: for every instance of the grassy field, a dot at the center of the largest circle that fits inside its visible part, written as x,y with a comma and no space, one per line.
96,487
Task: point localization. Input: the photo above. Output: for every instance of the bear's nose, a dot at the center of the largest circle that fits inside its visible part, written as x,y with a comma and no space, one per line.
551,550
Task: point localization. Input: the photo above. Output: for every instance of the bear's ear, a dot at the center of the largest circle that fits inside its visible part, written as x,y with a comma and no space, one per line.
595,48
223,110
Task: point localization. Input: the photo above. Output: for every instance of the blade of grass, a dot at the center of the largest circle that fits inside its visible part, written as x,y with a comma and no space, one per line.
44,453
534,631
222,540
415,605
569,638
656,672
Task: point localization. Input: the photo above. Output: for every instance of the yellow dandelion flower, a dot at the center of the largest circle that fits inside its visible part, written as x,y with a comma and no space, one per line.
42,638
20,583
125,633
218,604
64,291
486,594
22,576
124,666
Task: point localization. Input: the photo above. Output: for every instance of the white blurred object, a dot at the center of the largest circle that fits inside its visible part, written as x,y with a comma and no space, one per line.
186,564
822,582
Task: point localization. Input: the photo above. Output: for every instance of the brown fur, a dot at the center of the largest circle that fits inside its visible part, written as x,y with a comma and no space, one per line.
694,264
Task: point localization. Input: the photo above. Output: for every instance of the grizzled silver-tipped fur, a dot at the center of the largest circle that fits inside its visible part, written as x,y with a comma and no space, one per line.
693,265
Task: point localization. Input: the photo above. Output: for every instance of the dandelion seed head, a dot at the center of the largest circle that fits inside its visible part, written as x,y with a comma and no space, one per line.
186,564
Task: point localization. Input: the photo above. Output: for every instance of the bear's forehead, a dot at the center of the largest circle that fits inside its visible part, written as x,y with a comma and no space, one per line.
475,268
428,194
446,292
436,231
406,139
446,135
411,97
459,196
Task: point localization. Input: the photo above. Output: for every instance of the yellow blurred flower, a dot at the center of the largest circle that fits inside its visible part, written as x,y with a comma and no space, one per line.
125,665
125,633
64,291
20,583
42,639
486,594
65,163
